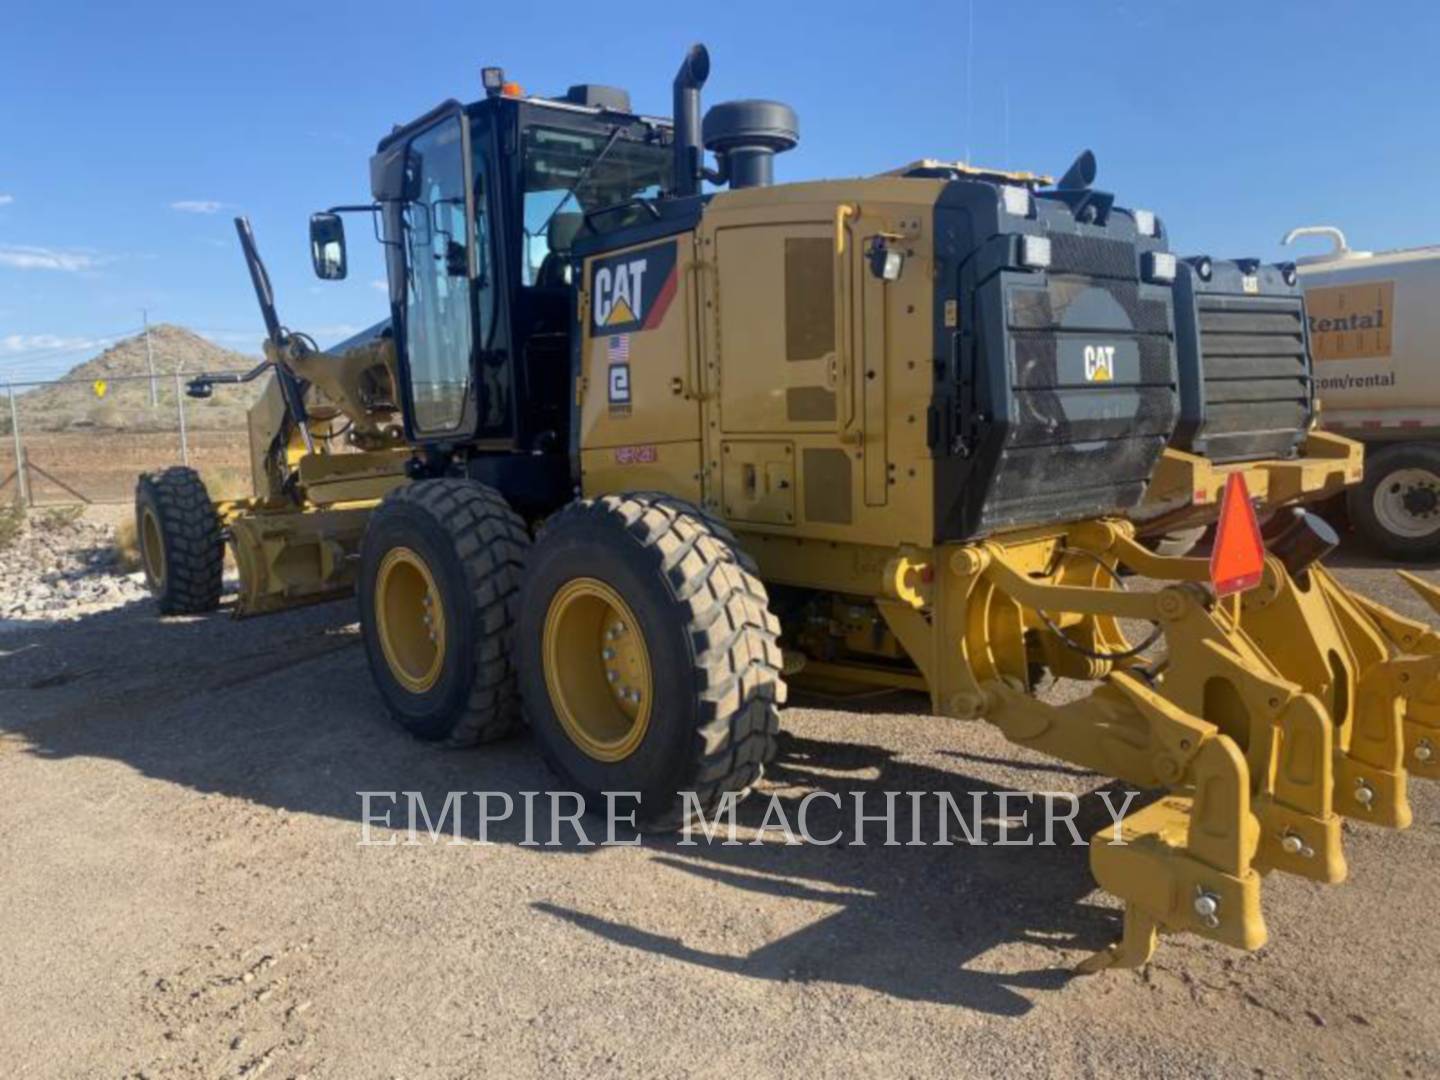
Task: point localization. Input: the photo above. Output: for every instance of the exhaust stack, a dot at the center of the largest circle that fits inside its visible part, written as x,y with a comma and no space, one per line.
1081,174
689,163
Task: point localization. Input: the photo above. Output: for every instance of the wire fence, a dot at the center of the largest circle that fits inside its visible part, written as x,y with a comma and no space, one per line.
67,441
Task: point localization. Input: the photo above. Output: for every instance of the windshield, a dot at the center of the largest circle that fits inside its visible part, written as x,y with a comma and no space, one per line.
569,173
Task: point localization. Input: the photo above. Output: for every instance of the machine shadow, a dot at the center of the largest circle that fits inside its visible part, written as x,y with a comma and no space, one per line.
1354,555
923,923
916,922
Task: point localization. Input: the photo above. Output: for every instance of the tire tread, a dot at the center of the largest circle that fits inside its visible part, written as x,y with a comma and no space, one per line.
195,545
490,541
734,638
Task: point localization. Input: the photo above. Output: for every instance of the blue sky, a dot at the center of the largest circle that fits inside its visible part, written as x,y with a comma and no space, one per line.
132,133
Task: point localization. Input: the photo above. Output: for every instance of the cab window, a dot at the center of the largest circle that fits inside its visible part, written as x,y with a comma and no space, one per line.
569,173
438,330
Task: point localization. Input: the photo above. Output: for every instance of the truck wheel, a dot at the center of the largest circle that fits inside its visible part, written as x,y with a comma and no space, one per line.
649,660
439,582
1397,506
181,546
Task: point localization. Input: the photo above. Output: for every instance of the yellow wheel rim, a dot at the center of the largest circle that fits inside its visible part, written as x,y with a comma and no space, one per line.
152,547
410,619
597,669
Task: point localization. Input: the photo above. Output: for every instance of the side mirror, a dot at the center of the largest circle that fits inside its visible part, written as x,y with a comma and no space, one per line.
327,246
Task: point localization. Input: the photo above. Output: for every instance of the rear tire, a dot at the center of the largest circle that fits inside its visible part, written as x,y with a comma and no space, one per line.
182,548
439,585
646,595
1396,508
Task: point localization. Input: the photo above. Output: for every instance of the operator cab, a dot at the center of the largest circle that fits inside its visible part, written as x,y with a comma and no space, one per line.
479,206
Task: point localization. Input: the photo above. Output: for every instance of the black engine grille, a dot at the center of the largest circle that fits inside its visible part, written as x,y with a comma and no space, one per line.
1255,377
1053,442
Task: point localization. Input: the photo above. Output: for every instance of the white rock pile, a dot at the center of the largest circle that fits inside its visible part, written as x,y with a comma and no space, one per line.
59,567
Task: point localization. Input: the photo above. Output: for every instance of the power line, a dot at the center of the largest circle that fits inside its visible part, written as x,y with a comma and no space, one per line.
969,65
107,335
55,351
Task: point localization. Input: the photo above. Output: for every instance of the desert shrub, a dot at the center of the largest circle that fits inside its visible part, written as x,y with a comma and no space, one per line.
58,517
127,547
107,416
12,523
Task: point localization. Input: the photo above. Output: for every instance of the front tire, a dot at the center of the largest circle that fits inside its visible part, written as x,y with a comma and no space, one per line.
1397,506
439,585
181,546
649,659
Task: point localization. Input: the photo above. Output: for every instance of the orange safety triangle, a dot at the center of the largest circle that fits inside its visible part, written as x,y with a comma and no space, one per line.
1238,559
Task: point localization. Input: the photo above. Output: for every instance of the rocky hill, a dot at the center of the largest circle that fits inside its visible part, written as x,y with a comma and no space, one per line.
124,404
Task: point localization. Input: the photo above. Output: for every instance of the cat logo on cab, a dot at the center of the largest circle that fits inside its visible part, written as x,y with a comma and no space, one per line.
1099,363
632,291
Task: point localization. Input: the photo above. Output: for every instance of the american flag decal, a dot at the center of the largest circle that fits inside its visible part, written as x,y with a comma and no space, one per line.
617,348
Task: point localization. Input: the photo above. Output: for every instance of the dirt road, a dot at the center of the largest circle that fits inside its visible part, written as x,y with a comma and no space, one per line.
183,893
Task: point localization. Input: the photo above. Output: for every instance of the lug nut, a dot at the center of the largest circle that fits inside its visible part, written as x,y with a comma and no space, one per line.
1364,793
1424,751
611,674
1207,906
607,653
1293,844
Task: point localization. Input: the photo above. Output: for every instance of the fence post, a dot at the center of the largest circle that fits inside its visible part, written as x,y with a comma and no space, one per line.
22,473
180,407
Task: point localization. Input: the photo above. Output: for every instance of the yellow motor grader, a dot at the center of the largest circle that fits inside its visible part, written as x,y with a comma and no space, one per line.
629,454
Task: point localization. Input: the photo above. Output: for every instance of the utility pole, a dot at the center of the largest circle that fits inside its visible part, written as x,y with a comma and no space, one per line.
150,360
180,407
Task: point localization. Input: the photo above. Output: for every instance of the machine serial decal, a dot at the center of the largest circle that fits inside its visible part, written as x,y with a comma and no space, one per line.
632,291
636,455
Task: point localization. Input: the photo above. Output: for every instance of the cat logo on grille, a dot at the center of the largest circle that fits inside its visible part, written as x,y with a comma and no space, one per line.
1099,363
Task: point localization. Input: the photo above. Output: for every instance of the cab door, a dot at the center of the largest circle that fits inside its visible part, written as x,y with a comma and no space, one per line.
455,378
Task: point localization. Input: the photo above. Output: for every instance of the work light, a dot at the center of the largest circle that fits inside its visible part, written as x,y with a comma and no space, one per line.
1016,200
1035,252
1159,266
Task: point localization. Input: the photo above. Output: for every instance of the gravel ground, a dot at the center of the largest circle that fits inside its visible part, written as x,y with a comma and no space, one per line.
183,893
